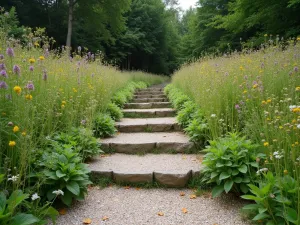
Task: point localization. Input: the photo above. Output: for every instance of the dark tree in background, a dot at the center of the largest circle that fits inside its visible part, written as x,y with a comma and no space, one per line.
156,35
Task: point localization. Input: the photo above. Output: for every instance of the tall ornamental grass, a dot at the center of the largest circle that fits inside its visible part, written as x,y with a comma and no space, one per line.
257,94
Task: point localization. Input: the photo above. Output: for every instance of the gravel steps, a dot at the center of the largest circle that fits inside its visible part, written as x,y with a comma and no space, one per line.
164,124
167,170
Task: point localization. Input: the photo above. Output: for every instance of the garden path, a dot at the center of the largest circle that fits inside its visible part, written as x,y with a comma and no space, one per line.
150,149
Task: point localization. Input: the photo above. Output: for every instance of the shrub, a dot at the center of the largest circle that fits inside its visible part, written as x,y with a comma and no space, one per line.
274,199
230,163
62,170
119,99
82,140
104,126
115,112
185,115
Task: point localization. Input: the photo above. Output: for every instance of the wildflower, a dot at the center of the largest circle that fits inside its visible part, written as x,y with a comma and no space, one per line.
23,133
277,155
266,35
79,49
298,38
41,58
30,86
12,143
31,60
35,196
272,196
280,127
297,88
45,76
1,57
16,129
28,97
262,170
266,144
36,44
298,159
63,102
17,69
10,124
31,68
298,126
296,69
263,102
58,192
3,85
18,89
83,122
10,52
213,115
13,178
291,107
269,101
3,73
2,66
255,86
286,172
237,106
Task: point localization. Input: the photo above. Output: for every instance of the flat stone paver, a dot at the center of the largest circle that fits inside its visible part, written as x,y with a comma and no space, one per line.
133,206
152,124
156,112
148,105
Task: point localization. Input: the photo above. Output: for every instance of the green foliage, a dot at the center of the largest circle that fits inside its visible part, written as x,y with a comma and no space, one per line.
230,163
198,132
63,170
104,126
274,200
115,112
82,141
176,97
186,114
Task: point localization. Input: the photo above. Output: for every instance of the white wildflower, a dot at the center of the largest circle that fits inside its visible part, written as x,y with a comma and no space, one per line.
13,178
292,107
262,170
58,192
35,196
298,126
213,115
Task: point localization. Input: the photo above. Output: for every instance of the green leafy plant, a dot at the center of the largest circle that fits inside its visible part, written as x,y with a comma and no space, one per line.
63,170
119,99
274,200
185,115
115,112
198,132
82,140
230,163
104,126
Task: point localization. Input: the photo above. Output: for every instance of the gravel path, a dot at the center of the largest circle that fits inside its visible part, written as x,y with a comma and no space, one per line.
141,207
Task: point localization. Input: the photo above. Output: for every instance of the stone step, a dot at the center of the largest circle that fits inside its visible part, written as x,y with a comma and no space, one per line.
141,143
148,105
167,170
148,125
151,89
149,113
144,100
149,96
149,93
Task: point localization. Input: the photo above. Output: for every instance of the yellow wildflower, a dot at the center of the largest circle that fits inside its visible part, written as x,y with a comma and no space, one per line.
63,106
298,38
18,89
41,58
36,44
296,110
297,88
63,102
245,92
255,86
286,172
269,101
296,143
266,144
28,97
280,127
23,133
263,102
266,35
12,143
32,60
16,129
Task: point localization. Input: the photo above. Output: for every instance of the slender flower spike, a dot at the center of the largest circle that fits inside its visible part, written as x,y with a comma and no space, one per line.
2,66
1,57
30,86
10,52
35,196
17,69
3,85
45,76
31,68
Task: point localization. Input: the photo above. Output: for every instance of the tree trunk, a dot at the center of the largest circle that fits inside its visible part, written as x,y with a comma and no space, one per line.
70,23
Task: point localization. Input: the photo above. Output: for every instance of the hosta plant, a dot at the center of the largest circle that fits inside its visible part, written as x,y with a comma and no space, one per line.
275,201
63,170
230,164
104,126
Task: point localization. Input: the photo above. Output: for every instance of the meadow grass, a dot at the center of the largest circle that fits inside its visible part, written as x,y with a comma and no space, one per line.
44,92
256,93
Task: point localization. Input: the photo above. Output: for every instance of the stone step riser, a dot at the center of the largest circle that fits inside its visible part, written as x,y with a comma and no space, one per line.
149,114
148,128
145,100
149,105
138,148
149,96
149,93
151,90
173,180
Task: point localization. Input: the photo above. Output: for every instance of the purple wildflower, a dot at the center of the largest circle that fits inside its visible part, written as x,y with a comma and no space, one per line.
1,56
31,68
237,106
10,52
3,85
296,69
45,75
17,69
30,86
3,73
2,66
